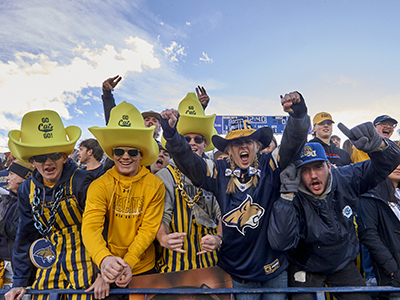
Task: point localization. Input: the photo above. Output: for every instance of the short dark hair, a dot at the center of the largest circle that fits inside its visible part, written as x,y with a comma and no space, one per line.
335,137
93,144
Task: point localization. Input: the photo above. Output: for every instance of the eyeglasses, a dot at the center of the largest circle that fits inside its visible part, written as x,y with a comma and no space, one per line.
387,124
42,158
131,152
197,139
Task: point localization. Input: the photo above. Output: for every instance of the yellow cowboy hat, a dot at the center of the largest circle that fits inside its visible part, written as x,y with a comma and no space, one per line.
240,129
42,132
126,129
192,119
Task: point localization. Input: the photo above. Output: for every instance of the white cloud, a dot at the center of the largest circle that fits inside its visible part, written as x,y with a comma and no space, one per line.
188,23
175,51
78,111
3,144
347,80
206,59
32,82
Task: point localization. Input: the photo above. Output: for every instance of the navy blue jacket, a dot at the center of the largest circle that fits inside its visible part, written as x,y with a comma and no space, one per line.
8,224
27,233
320,233
245,253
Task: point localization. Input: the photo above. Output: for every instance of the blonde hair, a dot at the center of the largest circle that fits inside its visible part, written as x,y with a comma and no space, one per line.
231,188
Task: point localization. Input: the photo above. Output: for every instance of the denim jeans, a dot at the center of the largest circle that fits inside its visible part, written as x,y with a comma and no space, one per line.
278,282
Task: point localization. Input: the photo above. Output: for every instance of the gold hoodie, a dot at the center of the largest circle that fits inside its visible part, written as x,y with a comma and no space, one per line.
133,207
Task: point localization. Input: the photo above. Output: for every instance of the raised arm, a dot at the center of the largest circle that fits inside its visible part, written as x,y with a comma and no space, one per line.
108,99
384,154
186,160
284,224
296,130
203,97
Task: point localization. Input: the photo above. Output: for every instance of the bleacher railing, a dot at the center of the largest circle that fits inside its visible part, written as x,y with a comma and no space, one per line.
319,293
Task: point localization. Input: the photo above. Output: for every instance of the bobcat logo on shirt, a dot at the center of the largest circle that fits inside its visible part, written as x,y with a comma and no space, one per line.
46,254
248,214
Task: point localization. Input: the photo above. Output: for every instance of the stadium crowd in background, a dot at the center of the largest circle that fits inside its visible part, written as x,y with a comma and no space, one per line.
147,195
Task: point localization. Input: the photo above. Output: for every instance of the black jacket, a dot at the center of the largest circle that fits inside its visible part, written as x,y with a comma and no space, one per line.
336,156
319,233
379,231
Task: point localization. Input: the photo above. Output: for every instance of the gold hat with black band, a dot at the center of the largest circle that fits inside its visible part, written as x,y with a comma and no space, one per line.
240,129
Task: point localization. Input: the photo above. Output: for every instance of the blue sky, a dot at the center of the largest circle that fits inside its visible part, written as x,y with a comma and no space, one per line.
341,55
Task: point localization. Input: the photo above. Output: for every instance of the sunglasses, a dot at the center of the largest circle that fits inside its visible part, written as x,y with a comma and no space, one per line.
327,122
197,139
131,152
42,158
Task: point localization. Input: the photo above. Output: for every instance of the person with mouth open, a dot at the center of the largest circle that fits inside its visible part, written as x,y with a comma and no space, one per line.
246,184
189,234
50,205
385,126
162,159
313,218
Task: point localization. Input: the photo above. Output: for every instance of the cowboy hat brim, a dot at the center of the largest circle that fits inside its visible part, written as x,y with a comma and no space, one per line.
24,151
263,135
203,125
113,137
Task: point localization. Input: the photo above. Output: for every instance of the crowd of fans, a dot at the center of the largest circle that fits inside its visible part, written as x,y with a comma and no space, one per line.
130,202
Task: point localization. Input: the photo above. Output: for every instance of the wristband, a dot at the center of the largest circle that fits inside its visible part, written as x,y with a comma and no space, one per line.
221,240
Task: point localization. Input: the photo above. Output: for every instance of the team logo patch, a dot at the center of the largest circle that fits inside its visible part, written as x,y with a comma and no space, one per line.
42,253
308,152
347,211
272,267
248,214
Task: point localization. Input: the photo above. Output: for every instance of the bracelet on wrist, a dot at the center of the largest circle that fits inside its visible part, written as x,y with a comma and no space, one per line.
221,239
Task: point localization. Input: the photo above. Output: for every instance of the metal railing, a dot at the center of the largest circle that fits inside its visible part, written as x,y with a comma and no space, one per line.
319,293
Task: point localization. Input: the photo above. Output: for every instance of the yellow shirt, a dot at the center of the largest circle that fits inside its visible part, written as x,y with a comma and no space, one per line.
358,156
133,207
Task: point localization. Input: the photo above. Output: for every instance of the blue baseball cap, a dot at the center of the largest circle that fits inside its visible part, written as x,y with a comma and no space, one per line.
384,118
310,153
